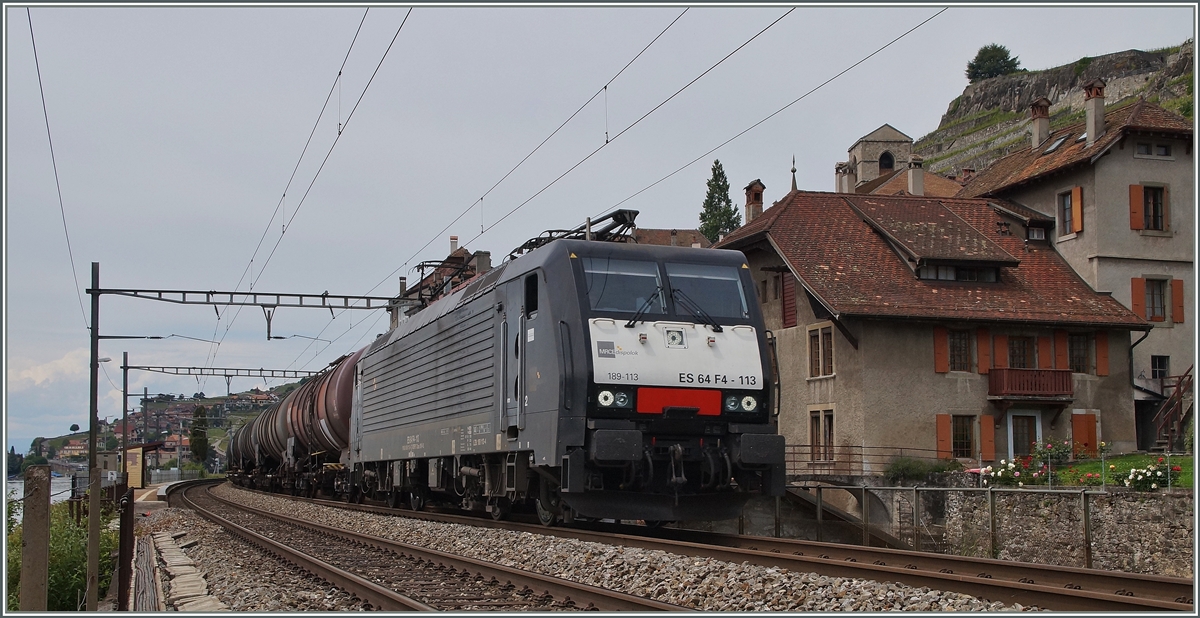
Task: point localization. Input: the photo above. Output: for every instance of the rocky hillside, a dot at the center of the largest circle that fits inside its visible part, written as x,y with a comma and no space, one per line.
991,118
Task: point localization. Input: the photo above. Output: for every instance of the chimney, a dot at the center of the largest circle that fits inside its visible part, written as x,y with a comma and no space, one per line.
453,244
483,261
916,176
674,238
841,177
1093,105
1039,112
754,202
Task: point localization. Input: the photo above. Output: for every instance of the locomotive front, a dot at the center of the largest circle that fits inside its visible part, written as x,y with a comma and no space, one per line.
679,405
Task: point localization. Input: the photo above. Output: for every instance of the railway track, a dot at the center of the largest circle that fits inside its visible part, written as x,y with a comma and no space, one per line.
1046,586
395,576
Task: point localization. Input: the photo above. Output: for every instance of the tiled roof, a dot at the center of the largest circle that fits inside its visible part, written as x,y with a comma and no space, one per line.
928,230
1030,163
683,238
896,183
853,269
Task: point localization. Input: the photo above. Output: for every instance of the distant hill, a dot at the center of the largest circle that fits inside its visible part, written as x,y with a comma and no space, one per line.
991,117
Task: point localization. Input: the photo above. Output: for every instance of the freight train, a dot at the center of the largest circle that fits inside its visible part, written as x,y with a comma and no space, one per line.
579,379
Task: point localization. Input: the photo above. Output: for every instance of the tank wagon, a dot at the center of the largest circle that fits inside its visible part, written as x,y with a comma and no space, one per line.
580,379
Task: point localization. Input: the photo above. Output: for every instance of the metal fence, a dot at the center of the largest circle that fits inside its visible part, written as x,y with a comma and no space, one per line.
811,461
168,476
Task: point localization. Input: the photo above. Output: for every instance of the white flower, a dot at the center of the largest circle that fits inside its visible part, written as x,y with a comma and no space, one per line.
1153,485
1020,484
1140,477
1127,483
985,482
1002,462
1159,473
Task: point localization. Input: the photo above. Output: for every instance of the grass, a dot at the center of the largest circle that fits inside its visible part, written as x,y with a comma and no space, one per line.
1120,467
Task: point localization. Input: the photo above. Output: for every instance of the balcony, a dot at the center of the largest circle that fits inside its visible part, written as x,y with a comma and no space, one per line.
1030,384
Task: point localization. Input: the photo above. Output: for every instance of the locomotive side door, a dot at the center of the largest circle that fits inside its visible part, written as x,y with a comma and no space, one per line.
510,330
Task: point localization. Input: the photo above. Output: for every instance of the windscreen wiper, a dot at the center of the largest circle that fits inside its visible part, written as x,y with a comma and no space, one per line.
645,307
692,306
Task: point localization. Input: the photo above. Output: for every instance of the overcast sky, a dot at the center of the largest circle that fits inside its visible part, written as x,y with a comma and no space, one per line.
176,131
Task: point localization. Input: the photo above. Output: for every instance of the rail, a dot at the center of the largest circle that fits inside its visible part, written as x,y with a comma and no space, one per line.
809,461
1171,418
1008,382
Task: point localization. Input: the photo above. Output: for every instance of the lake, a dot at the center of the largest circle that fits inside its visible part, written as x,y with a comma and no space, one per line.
60,489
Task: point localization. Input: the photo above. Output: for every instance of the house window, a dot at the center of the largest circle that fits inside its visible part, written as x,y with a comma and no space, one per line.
1160,367
1152,150
820,434
1056,144
1025,432
1156,294
960,350
886,162
963,436
1020,352
1153,208
1079,353
1065,212
775,288
820,351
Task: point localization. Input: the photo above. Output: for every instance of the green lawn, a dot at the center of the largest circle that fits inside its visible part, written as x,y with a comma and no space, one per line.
1116,469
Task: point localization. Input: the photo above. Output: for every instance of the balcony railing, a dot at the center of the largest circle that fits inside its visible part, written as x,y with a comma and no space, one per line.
1018,383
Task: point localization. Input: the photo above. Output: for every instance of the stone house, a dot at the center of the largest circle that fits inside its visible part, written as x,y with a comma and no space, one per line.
1120,189
882,163
931,327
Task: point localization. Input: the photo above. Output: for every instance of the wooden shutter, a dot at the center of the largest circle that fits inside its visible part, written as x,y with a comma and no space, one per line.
1166,209
1083,433
1177,300
984,344
789,300
941,349
944,448
987,438
1061,343
1076,209
1043,352
1101,353
1137,219
1000,351
1137,290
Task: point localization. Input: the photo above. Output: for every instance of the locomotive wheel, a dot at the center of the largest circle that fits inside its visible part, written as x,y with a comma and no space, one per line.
546,517
416,501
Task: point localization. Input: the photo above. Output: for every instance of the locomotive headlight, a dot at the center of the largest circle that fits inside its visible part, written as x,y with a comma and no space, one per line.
621,399
731,403
749,403
605,398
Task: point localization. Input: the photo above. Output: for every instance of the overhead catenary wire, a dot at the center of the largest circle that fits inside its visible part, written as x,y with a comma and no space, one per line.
304,151
602,90
54,163
773,114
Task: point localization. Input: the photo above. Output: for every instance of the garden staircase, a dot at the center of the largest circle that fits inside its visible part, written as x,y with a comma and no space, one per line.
1174,413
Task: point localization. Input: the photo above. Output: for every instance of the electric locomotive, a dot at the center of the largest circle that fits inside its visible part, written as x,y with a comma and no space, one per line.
578,379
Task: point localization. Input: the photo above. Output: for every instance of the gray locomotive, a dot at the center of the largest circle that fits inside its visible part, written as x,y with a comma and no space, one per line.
579,379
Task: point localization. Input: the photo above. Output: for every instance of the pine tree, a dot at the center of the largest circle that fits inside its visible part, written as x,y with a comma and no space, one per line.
718,217
199,437
992,61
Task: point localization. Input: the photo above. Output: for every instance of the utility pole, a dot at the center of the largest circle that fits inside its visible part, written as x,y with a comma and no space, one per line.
124,411
93,546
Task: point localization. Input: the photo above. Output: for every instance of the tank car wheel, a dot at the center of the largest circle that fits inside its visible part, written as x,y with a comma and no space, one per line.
416,501
395,498
546,517
356,496
653,523
501,508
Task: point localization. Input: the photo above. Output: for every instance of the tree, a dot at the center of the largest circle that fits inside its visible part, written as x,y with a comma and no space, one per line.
74,427
199,437
718,216
992,60
111,443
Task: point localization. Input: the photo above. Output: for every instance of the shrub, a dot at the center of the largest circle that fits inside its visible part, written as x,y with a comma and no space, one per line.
902,469
67,584
1153,477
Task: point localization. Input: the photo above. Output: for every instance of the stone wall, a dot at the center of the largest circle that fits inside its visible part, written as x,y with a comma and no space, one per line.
1136,532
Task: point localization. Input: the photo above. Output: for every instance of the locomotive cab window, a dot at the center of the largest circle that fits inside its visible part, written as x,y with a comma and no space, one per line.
531,295
623,285
717,290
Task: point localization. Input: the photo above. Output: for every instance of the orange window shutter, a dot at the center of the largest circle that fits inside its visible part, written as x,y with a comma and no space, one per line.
1083,434
984,343
944,450
1136,217
1137,291
1101,353
1177,300
987,438
1077,209
1043,352
1060,350
941,349
1000,351
789,300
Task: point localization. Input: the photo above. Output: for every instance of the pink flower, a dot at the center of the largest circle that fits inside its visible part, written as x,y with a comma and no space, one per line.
1016,474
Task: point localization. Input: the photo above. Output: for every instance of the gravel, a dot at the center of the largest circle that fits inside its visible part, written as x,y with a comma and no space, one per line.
699,583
